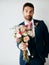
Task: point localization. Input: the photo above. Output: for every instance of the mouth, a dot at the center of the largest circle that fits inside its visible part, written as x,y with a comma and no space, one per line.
28,16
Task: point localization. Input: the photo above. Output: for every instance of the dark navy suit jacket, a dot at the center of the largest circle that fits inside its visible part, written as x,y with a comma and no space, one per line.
41,39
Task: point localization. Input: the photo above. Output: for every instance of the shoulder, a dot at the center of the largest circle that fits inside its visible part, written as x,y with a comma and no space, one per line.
36,20
41,22
22,23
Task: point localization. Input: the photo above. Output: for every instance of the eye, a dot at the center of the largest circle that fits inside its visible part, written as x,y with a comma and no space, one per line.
26,10
31,11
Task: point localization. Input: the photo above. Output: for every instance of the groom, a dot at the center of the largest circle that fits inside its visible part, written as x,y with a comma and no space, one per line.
39,43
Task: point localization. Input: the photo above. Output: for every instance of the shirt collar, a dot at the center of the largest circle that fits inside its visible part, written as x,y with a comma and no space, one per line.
27,22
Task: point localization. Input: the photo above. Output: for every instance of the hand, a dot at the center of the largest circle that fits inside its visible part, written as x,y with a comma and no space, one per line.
23,46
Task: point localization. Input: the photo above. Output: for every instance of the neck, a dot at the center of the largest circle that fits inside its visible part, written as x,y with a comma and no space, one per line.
28,20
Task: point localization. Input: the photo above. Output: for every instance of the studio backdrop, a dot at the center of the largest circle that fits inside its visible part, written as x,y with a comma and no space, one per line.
11,15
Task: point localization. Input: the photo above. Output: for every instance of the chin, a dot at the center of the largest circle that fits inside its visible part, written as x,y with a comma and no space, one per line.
29,18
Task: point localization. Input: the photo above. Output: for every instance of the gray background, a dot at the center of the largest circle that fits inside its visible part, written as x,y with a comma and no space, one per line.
10,15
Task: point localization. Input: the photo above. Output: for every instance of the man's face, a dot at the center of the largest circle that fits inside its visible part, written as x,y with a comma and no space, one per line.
28,13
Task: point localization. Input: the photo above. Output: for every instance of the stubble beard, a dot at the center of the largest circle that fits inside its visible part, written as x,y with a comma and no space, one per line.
28,19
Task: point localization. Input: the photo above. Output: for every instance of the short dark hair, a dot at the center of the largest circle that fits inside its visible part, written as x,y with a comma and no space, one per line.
28,4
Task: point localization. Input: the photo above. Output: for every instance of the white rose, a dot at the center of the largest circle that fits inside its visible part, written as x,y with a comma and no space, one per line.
18,35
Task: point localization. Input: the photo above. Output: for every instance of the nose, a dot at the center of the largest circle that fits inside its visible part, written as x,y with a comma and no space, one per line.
28,13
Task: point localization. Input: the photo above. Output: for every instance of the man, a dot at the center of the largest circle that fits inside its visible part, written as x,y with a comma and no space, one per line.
39,44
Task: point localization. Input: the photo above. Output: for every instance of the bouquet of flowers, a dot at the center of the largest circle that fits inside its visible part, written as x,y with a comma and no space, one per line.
23,32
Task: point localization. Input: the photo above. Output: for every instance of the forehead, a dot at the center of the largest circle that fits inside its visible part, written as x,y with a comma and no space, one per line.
28,8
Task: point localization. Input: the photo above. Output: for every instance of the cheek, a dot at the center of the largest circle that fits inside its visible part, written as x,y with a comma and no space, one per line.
32,13
25,14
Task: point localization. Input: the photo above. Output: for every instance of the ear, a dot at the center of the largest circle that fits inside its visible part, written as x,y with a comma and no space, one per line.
22,12
33,12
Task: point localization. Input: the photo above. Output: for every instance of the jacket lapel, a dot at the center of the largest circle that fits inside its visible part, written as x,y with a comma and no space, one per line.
36,23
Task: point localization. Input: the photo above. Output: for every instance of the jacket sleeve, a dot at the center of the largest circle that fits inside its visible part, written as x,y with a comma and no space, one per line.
46,36
18,45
